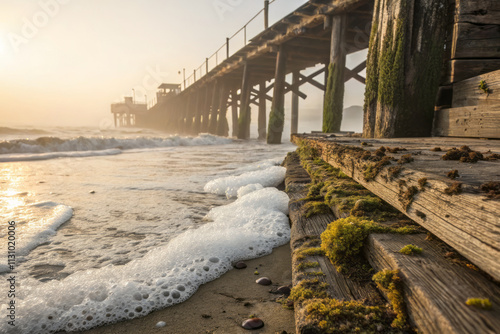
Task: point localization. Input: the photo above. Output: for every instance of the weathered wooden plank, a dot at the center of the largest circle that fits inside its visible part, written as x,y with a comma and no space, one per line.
468,222
478,11
475,41
463,69
436,289
467,93
339,286
479,122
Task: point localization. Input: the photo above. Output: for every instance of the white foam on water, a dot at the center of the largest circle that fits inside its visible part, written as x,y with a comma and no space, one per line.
249,189
55,155
268,177
46,148
35,225
247,228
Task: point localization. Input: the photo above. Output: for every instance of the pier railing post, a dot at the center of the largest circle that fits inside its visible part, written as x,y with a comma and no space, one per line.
334,95
266,14
277,115
227,47
295,103
262,110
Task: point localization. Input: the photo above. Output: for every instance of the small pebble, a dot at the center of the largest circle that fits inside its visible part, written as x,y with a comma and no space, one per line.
240,265
161,324
254,323
264,281
92,191
284,290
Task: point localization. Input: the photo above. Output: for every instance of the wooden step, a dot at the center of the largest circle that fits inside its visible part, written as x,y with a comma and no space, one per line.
478,122
307,229
467,93
436,289
468,221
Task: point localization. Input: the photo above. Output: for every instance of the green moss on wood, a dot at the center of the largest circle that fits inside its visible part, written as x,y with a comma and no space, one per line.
307,265
483,304
308,289
334,316
390,283
483,87
276,123
410,250
334,99
315,208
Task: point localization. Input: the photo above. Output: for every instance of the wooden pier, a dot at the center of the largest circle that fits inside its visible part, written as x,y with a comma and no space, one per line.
429,148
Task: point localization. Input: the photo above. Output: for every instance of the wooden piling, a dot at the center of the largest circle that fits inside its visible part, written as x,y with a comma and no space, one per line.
222,125
198,112
277,115
207,98
334,95
234,111
262,110
245,115
214,110
190,108
405,62
295,103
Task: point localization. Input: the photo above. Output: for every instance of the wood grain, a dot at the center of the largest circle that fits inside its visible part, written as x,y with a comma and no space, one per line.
475,41
479,122
467,93
436,289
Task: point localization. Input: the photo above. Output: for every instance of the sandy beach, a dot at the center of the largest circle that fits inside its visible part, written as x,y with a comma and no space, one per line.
222,305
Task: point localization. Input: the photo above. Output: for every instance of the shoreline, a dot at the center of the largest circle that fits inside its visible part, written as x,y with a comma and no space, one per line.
220,306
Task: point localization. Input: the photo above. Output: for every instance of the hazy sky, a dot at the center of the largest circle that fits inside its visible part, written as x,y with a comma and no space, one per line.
63,62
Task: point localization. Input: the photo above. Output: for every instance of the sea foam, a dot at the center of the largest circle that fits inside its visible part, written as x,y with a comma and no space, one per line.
45,148
35,224
248,228
229,186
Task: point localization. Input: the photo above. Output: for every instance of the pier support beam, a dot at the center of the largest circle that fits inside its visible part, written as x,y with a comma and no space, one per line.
207,98
295,103
234,111
245,113
198,111
334,95
262,110
222,125
214,110
190,107
277,116
405,62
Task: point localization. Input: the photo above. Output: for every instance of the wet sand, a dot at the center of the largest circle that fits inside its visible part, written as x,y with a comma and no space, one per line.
222,305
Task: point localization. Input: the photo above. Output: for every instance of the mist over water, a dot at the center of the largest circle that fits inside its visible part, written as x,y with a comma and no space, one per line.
111,228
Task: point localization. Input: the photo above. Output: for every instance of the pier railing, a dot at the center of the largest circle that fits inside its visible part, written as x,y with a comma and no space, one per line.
234,43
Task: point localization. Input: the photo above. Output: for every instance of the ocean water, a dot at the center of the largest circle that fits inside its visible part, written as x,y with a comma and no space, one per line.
111,225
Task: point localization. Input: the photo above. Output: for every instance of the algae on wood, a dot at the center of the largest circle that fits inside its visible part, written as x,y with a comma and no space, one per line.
405,61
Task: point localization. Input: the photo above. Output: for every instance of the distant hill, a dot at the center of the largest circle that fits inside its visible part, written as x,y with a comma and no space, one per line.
353,119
